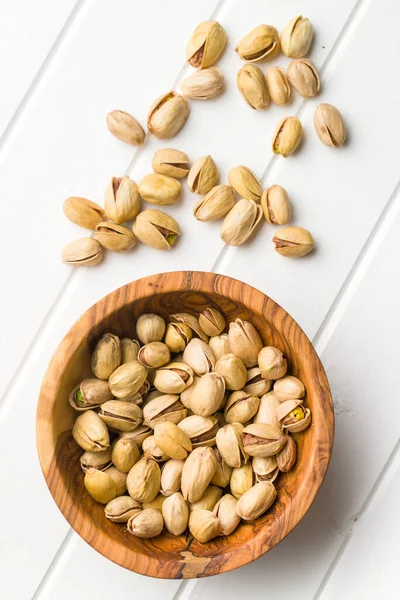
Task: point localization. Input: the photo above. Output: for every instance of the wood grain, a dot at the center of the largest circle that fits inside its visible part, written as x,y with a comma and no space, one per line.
167,556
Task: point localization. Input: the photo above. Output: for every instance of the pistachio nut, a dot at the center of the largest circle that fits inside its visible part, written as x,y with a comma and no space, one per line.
175,512
156,229
129,350
106,356
125,453
278,86
127,379
172,440
255,383
212,321
256,501
114,237
245,183
225,511
287,456
245,341
241,222
151,450
276,205
304,77
287,136
206,45
121,509
160,189
203,175
121,199
199,356
191,322
89,394
171,474
147,523
167,115
219,344
232,370
208,394
138,435
173,378
122,415
144,480
296,37
177,336
167,407
230,444
293,242
171,162
289,388
203,85
215,204
252,85
154,355
208,500
203,525
272,363
262,43
329,125
200,430
241,407
125,127
83,212
187,393
223,472
90,433
85,252
96,460
197,473
241,480
293,416
157,503
265,468
261,439
267,410
119,479
100,485
150,328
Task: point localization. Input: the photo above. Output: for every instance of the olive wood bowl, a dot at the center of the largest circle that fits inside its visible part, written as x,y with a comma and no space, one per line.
167,556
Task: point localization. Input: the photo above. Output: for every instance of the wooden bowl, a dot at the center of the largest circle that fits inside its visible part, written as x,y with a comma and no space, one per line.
168,556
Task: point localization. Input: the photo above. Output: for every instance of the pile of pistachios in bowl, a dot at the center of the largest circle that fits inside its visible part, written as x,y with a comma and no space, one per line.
187,426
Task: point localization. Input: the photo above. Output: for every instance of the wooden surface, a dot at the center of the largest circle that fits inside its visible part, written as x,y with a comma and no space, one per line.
167,556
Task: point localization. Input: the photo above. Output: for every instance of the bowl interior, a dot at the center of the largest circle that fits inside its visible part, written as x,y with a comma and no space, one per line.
166,555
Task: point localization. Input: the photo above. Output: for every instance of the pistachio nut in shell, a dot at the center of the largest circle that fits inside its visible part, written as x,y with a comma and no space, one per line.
212,321
121,199
304,77
245,183
90,393
233,371
173,378
241,407
289,388
204,525
206,44
208,394
260,439
296,37
256,501
241,480
100,485
203,85
329,125
167,115
245,341
150,328
199,356
157,503
294,242
276,205
125,453
156,229
223,472
293,416
114,237
90,433
83,212
177,336
262,43
119,479
200,430
251,83
175,512
85,252
172,440
154,355
186,394
219,344
241,222
287,136
138,435
96,460
230,444
127,379
151,450
122,415
106,356
208,500
167,407
171,474
125,127
197,473
278,86
129,350
160,189
144,480
287,456
265,468
191,321
215,204
225,511
255,383
203,175
121,509
272,363
267,410
171,162
147,523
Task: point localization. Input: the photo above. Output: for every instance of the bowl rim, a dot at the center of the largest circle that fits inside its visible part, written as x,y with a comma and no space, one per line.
183,566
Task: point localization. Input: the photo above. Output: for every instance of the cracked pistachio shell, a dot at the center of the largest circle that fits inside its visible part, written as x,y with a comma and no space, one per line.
212,321
265,468
267,410
296,37
121,199
191,322
114,237
203,85
293,416
289,388
129,350
278,86
175,512
167,407
245,341
96,460
287,456
151,450
215,204
203,175
262,43
233,371
293,242
272,363
329,125
122,415
125,453
219,344
85,252
200,430
90,433
241,480
287,136
171,162
160,189
255,383
121,509
125,127
276,205
208,500
206,44
245,183
156,229
127,379
197,473
154,355
138,435
225,511
177,336
304,77
167,115
256,501
199,356
90,394
204,525
260,439
230,444
147,523
241,222
173,378
100,485
208,394
144,480
83,212
172,440
223,472
150,328
252,85
241,407
106,356
171,474
157,503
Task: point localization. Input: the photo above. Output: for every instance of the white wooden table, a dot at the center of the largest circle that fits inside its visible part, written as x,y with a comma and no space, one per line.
63,66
